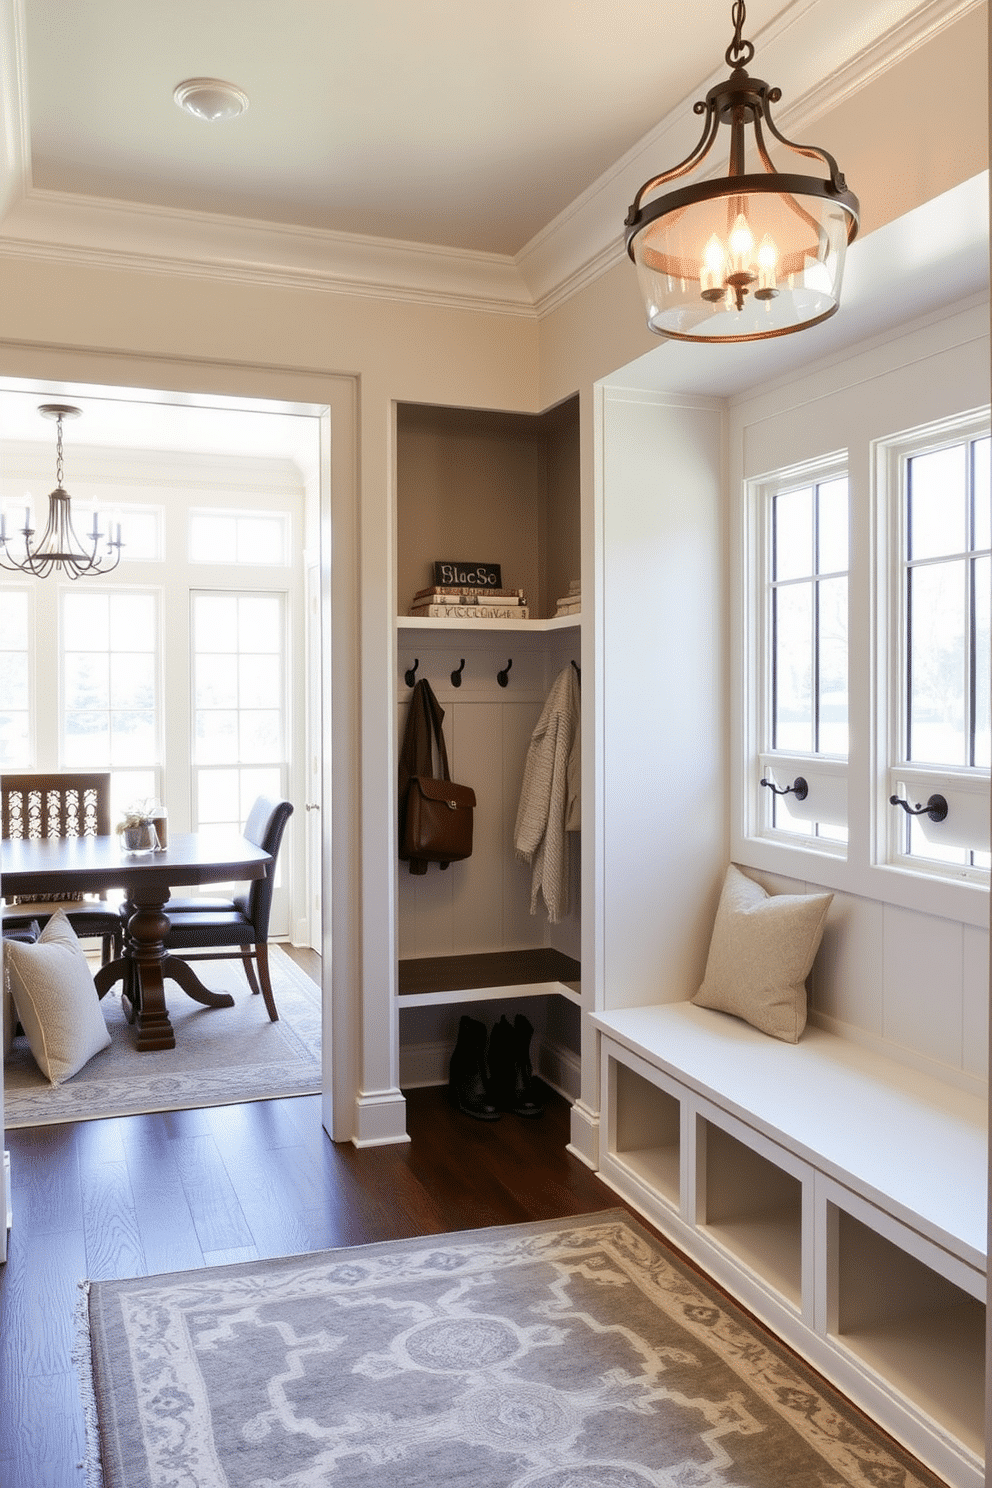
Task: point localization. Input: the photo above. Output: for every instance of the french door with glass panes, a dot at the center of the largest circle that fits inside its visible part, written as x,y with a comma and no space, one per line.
238,668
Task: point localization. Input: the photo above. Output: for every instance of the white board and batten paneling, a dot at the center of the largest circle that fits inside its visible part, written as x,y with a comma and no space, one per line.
483,903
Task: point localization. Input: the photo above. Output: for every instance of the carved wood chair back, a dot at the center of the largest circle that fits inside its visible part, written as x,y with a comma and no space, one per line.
70,803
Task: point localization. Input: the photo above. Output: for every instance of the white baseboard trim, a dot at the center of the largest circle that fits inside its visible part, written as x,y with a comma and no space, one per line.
585,1135
380,1118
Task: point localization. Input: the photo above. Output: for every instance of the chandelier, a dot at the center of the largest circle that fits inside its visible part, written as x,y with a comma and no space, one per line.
59,546
741,257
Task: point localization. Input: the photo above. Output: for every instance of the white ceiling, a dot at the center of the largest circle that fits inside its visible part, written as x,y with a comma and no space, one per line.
447,122
476,154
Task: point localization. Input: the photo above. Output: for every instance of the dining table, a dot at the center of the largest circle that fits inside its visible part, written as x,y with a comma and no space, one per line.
97,863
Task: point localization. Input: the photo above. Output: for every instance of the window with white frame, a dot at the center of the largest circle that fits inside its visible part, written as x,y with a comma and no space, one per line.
252,537
239,703
935,485
921,709
802,529
143,532
15,679
111,669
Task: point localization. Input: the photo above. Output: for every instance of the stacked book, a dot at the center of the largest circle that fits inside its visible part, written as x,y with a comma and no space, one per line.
570,603
444,602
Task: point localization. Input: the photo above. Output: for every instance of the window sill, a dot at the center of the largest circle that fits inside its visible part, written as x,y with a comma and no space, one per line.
964,901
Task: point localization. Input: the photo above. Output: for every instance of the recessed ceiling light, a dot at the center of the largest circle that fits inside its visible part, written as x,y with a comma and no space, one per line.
210,98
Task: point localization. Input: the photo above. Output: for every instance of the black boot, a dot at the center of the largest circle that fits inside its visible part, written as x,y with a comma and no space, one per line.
513,1084
467,1074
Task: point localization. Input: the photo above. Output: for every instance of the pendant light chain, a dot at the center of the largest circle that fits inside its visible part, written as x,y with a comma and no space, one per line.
740,52
58,452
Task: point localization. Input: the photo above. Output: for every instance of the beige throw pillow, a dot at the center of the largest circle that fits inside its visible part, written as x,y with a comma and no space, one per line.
761,952
56,1001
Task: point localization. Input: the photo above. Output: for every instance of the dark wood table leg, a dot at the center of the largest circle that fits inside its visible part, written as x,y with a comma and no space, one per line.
147,928
144,969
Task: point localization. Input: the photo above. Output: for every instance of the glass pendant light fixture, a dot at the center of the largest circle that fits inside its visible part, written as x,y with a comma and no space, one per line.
58,546
741,257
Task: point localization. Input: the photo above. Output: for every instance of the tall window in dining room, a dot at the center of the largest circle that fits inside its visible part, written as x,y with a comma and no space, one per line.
110,689
15,680
239,703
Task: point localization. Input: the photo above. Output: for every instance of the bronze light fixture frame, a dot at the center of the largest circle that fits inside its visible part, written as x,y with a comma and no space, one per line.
59,546
739,102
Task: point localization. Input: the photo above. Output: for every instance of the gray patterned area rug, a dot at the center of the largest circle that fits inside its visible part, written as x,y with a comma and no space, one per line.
572,1353
222,1055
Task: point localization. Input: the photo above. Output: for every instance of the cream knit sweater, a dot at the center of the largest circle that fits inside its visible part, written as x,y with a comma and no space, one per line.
549,798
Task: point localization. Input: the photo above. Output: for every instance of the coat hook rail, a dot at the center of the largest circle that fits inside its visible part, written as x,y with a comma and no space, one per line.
935,808
799,788
456,676
410,675
503,677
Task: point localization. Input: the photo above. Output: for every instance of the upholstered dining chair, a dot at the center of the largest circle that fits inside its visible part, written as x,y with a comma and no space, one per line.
64,804
238,926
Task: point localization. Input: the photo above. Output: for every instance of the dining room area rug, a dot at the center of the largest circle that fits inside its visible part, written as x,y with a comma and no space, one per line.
223,1056
567,1353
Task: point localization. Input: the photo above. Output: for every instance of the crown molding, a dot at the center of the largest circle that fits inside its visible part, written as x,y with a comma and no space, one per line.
818,64
60,227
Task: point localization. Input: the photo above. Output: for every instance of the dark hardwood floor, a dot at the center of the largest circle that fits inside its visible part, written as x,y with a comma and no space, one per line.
143,1194
177,1191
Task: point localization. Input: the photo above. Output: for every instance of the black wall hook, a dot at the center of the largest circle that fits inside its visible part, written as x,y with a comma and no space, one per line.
935,809
456,676
503,677
798,788
410,675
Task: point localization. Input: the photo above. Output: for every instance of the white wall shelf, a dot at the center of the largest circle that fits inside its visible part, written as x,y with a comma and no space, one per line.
434,981
426,622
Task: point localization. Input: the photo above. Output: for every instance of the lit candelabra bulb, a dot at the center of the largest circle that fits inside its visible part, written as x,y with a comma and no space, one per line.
741,245
767,268
714,263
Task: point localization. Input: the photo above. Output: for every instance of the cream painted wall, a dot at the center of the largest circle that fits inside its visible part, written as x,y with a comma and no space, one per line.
921,128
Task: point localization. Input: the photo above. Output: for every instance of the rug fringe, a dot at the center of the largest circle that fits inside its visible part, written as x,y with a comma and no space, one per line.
82,1355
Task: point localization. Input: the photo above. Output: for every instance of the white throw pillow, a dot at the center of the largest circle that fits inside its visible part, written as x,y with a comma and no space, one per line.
761,952
56,1001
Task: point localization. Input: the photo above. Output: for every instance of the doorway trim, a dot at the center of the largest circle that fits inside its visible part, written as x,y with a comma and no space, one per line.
333,399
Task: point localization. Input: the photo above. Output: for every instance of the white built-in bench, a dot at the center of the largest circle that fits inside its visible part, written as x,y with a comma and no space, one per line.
838,1193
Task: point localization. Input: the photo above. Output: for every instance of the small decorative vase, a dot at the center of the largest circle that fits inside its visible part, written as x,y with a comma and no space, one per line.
140,839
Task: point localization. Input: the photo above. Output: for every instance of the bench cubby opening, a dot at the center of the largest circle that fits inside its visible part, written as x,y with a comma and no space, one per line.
752,1207
910,1325
647,1131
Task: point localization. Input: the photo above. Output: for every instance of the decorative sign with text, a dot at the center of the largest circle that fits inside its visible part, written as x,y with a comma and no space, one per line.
468,575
